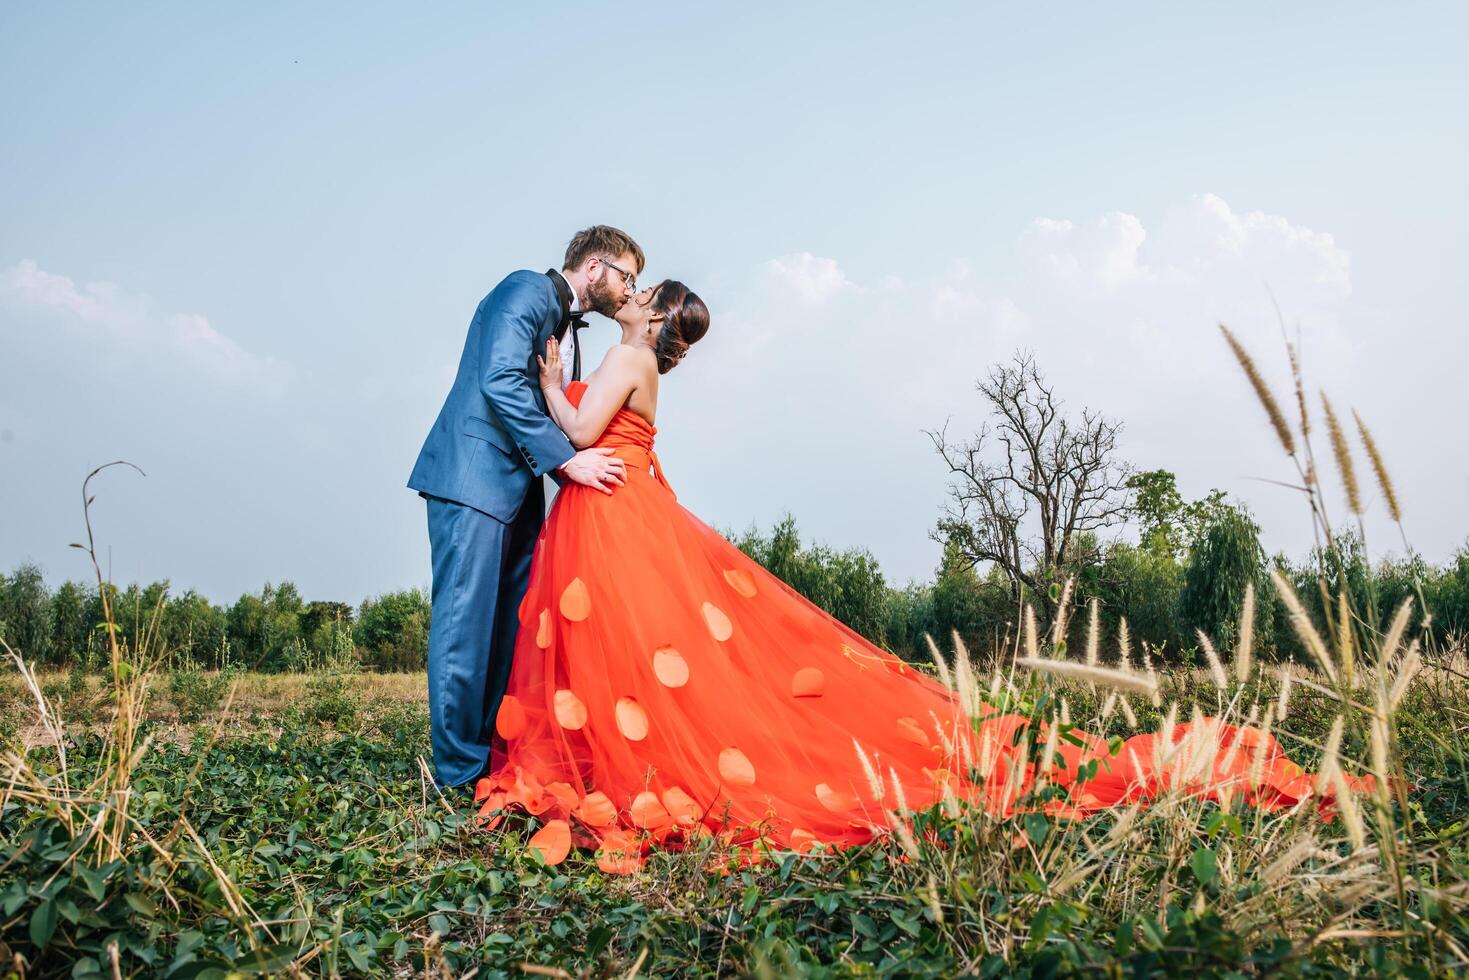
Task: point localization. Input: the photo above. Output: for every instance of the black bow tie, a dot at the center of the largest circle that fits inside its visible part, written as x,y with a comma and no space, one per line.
572,322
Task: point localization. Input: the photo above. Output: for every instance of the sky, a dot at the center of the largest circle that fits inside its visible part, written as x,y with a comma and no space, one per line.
240,248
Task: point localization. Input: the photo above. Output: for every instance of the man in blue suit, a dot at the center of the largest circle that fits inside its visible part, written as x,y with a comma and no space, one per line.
480,470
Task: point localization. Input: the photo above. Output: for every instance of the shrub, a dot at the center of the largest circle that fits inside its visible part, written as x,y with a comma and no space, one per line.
1225,559
847,584
330,699
25,613
392,630
196,693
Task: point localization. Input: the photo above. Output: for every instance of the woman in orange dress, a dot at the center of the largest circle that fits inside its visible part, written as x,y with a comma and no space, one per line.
665,686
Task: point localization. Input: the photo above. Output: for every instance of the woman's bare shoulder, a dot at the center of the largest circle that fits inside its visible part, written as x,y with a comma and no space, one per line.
630,361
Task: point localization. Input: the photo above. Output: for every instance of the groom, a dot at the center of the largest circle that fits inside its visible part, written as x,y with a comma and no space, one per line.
480,471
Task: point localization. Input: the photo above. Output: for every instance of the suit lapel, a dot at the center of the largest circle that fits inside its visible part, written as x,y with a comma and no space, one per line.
563,294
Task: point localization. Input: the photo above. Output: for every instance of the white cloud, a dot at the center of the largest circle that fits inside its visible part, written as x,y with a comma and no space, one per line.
812,398
813,280
1104,253
109,322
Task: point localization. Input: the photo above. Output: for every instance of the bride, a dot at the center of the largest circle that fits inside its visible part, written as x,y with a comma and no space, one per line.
665,686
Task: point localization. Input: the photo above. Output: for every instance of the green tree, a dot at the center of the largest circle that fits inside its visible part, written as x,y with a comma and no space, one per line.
1447,595
1143,584
847,584
391,630
264,631
71,630
194,631
25,613
1225,558
1167,523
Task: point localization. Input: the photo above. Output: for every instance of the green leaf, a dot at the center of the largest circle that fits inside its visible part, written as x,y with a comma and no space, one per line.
93,881
142,904
1036,826
864,924
1205,866
1124,938
43,923
439,924
267,959
752,895
994,966
359,957
597,939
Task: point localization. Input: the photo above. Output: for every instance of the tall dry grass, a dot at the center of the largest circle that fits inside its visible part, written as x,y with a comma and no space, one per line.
97,811
1352,862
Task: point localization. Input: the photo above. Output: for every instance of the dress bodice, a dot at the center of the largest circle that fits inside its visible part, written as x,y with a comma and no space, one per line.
628,434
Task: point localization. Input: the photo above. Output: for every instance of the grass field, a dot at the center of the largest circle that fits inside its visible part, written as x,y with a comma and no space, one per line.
288,828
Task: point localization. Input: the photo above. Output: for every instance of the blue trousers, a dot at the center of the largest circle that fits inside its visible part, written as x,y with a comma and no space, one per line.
481,569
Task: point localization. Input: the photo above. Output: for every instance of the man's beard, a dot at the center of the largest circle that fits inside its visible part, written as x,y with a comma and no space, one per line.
600,298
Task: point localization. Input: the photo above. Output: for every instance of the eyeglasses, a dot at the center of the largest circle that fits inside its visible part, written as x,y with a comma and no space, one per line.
628,279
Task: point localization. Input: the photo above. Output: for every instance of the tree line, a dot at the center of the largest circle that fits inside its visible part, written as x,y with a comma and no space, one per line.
1186,572
273,630
1038,504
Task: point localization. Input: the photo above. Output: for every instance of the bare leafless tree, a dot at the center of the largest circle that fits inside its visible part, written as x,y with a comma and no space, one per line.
1030,486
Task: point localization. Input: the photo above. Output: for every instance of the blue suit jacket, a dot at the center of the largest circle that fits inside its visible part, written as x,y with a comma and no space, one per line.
493,436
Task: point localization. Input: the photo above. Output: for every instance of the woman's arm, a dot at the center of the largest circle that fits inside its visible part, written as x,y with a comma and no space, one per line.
615,380
557,404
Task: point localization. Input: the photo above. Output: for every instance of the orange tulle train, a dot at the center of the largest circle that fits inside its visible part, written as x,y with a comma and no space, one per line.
666,687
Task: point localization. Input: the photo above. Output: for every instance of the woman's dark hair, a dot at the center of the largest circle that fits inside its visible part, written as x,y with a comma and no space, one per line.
685,321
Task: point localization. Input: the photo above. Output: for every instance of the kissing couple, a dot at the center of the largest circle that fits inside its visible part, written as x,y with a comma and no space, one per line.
622,672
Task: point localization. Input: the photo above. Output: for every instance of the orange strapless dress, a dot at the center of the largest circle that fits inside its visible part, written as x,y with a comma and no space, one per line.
665,687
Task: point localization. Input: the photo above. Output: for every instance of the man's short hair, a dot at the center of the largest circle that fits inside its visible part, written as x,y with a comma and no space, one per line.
603,241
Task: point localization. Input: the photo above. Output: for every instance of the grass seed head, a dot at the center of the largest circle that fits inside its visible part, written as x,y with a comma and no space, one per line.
1407,670
874,781
1127,712
1345,646
1343,455
1262,391
1346,805
1282,703
1329,755
1245,647
1121,680
1395,630
898,796
1048,754
1379,469
1216,669
1094,632
940,664
1300,621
